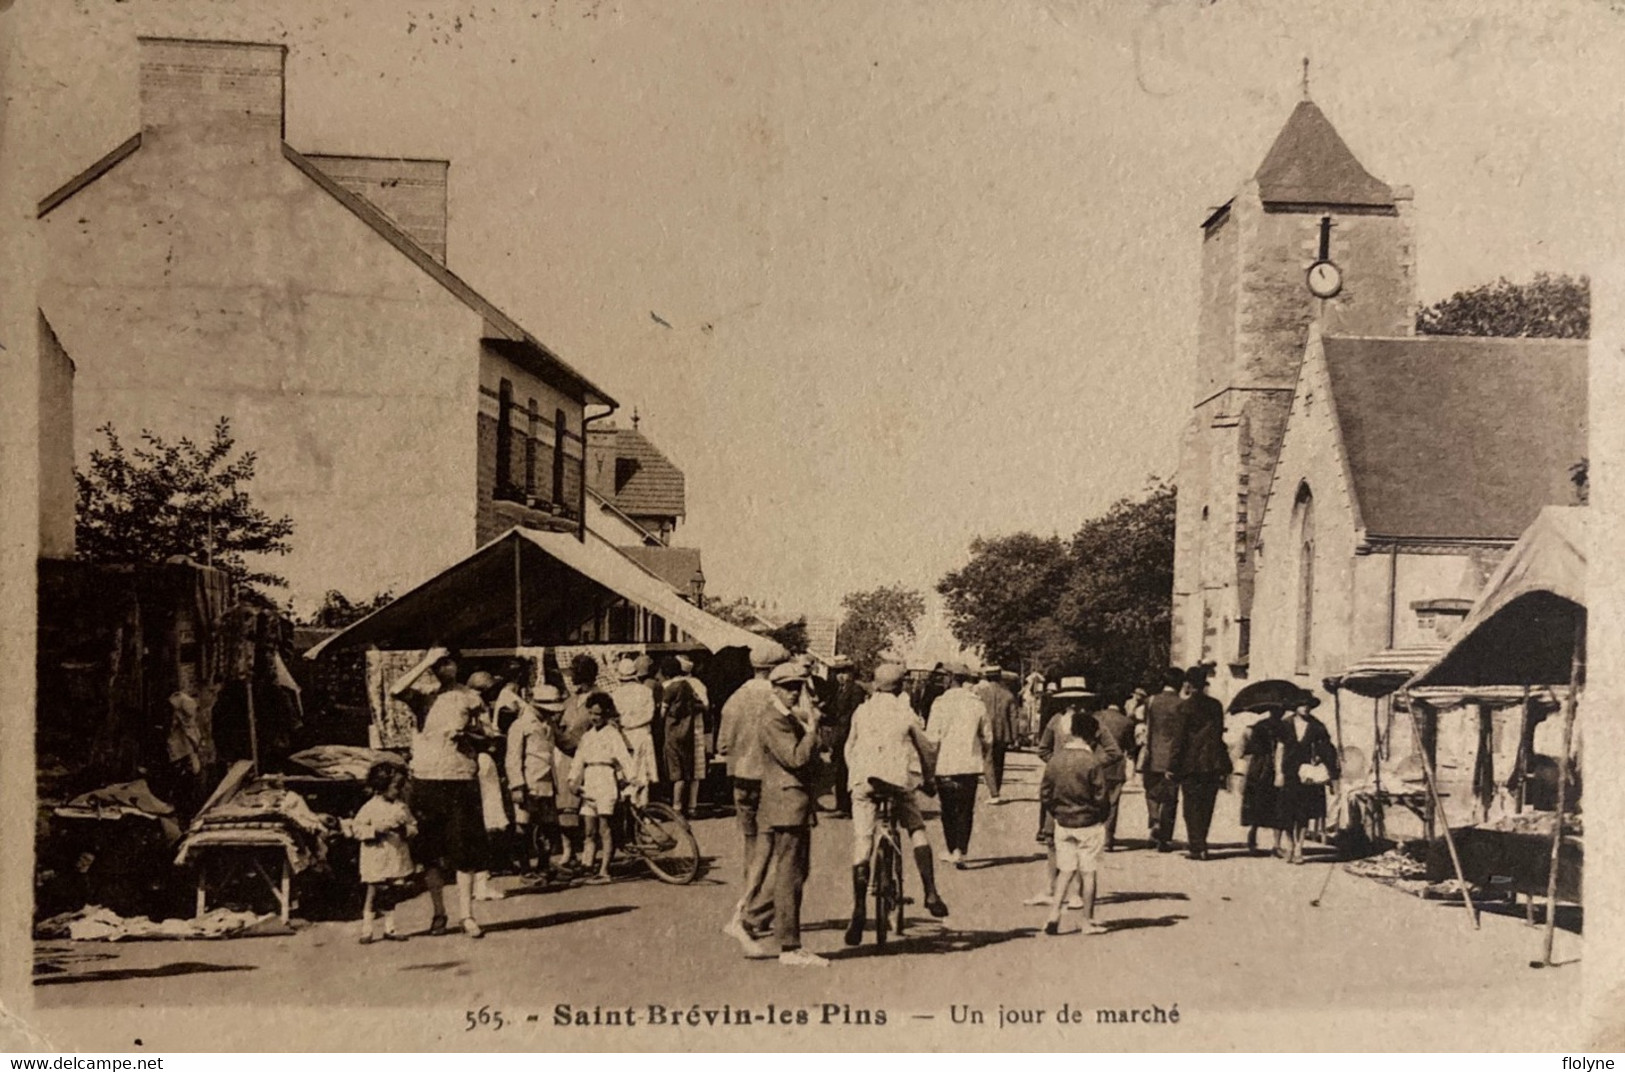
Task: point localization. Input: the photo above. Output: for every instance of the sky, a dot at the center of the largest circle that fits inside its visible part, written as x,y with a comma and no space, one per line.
927,270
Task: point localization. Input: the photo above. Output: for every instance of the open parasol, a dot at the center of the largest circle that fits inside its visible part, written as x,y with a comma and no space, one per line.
1264,695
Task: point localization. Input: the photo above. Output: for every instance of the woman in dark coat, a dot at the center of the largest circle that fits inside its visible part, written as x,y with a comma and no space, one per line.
1258,790
1301,740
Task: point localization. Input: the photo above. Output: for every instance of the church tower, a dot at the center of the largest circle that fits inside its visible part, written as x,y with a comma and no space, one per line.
1310,201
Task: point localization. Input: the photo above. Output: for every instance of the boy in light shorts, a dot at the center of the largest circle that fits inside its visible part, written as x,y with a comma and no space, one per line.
1077,793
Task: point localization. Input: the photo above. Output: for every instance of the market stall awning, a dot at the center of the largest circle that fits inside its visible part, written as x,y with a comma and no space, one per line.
1522,629
1383,672
528,587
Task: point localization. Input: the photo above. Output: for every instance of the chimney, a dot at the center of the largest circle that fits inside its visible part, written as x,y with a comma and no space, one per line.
412,193
211,83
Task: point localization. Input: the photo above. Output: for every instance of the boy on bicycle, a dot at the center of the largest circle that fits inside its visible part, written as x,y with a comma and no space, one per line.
884,739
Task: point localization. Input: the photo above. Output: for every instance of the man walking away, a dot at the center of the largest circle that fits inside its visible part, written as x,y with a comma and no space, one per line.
684,717
849,696
1161,789
1077,792
739,743
1001,713
1115,722
789,739
1200,760
960,731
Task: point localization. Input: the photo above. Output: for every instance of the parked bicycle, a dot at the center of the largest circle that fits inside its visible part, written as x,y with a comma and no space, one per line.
661,838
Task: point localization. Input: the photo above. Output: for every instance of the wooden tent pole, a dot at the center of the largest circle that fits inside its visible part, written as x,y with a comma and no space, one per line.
1576,671
518,599
1438,806
1523,753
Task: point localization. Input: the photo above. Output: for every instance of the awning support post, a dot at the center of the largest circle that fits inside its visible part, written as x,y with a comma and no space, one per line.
518,598
1438,806
1576,672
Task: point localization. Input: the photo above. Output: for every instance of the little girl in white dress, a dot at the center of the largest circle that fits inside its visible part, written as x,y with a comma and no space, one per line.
382,826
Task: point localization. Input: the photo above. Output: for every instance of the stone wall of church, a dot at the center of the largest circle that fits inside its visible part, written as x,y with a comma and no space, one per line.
1216,317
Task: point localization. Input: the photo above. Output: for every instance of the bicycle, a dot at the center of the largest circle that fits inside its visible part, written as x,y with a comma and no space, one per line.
661,838
886,861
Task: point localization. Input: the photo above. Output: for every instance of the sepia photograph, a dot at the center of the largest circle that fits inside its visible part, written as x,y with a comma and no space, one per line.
714,525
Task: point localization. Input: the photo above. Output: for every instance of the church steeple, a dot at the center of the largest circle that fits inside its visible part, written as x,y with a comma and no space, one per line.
1311,164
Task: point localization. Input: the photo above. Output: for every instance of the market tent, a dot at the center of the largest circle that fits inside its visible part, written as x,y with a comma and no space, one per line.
530,588
1383,672
1523,627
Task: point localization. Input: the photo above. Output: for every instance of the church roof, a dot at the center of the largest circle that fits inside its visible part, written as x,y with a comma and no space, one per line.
1310,163
1453,436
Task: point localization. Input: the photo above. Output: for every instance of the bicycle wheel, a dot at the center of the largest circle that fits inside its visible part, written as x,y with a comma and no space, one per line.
900,903
667,845
887,895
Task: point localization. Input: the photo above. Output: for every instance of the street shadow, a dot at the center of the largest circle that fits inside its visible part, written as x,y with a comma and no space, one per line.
556,919
928,943
1114,925
1128,896
444,965
163,971
1002,861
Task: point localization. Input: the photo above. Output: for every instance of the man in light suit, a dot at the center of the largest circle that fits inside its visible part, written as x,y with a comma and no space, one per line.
789,741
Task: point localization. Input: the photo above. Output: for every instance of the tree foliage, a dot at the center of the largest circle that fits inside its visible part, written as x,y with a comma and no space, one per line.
338,610
876,620
159,500
1099,603
1549,306
751,614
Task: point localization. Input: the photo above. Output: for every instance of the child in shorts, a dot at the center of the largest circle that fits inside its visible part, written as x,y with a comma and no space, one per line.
1077,793
603,762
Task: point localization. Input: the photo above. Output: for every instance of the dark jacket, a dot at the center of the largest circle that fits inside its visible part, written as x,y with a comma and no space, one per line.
789,766
1113,721
1198,747
1001,710
1161,730
1315,746
1075,788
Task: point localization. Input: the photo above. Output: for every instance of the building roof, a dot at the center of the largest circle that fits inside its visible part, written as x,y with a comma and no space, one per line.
1458,437
512,339
1310,163
674,565
649,486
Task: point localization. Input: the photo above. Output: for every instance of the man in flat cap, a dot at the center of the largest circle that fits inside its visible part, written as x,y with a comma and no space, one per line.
789,741
739,743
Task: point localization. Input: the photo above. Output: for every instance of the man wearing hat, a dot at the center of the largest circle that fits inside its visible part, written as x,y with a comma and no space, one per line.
789,742
885,739
1199,759
636,703
847,698
739,743
1161,787
1001,715
684,717
532,781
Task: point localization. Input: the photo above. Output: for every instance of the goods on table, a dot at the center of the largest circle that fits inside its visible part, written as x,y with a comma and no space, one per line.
343,761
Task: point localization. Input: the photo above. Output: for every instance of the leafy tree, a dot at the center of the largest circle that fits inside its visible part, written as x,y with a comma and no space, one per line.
1099,604
1003,600
876,620
750,614
160,500
793,635
1549,306
1117,604
338,610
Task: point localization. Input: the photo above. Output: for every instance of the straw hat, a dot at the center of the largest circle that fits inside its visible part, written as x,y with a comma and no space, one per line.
1074,688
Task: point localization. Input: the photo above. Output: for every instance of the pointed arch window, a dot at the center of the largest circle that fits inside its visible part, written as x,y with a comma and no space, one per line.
1303,529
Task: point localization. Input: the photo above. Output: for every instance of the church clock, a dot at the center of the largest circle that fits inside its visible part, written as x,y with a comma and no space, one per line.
1325,279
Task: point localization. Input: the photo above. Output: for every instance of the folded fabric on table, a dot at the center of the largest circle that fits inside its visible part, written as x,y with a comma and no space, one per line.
343,762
